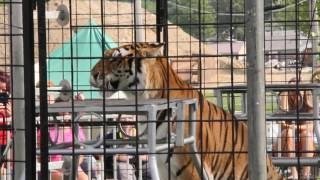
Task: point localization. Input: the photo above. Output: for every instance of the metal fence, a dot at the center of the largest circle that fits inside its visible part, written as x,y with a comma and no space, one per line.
234,85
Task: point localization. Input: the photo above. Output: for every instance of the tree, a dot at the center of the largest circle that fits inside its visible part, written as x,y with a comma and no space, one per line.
230,17
219,17
194,18
296,15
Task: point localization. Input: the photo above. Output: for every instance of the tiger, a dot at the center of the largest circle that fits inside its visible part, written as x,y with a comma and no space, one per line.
141,67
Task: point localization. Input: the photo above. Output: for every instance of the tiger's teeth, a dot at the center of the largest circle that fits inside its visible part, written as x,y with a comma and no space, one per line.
124,52
116,53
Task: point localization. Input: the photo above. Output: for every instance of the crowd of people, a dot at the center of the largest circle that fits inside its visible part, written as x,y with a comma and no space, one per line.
124,164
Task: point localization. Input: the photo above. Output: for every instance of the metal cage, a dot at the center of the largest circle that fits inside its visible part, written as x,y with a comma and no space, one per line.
257,62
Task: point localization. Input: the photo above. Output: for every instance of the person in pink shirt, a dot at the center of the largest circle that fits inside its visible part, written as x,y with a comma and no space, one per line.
65,135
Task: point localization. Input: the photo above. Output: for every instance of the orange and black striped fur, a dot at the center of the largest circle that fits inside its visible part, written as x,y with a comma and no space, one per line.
222,157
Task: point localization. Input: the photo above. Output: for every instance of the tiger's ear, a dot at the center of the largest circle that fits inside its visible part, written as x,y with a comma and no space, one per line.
108,53
150,49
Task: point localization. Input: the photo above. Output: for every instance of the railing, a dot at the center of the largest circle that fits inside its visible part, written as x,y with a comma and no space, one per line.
275,89
152,145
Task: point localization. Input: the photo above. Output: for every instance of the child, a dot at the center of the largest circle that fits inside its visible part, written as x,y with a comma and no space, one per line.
65,135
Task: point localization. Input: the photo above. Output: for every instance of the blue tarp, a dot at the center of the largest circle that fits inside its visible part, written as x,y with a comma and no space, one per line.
79,55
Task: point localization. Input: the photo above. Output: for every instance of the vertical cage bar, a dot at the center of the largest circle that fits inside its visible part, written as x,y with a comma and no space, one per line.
152,143
196,158
159,23
44,148
254,29
30,135
17,93
180,126
165,27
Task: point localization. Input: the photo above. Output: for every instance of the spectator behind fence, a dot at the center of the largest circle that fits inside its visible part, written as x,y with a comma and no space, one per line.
64,135
5,112
290,102
126,169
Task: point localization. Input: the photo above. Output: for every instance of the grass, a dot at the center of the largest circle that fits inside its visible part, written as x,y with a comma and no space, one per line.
149,5
237,100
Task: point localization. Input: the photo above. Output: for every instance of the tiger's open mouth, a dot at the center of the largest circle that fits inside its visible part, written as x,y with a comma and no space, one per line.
114,84
104,84
95,81
101,83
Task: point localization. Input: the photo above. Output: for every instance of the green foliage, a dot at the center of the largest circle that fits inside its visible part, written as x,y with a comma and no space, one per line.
212,19
270,106
186,14
295,16
149,5
227,23
193,17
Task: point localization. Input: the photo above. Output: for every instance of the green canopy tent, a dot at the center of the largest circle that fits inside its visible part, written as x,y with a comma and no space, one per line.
75,58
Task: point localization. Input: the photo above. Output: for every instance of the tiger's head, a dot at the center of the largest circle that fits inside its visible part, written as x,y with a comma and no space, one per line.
123,68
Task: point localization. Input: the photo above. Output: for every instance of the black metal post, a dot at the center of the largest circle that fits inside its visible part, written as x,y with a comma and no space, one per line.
30,135
159,19
165,27
44,155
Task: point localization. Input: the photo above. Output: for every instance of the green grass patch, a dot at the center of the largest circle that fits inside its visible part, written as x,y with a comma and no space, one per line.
226,100
271,103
